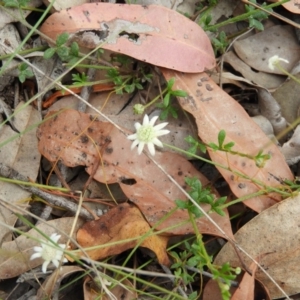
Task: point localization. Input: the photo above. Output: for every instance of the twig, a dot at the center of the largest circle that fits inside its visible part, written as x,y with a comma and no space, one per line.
8,172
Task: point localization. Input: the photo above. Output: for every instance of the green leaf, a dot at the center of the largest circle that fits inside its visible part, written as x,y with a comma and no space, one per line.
166,100
170,84
49,53
62,39
221,138
179,93
213,146
74,49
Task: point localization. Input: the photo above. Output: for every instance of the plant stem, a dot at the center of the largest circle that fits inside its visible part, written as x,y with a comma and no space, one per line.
241,17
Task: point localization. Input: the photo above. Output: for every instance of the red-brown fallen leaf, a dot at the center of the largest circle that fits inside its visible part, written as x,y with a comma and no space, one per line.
120,223
153,34
247,287
71,136
215,110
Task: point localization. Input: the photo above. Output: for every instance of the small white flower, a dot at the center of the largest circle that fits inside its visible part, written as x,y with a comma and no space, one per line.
147,133
274,60
48,253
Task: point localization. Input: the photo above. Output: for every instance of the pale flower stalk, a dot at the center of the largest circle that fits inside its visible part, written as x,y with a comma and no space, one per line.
49,253
147,134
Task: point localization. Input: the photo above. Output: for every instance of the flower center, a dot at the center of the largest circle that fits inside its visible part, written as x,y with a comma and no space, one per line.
146,133
49,253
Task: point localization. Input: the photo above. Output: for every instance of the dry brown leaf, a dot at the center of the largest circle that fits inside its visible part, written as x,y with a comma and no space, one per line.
215,110
53,282
291,149
90,291
262,79
274,232
120,223
71,136
22,155
277,40
15,255
247,287
146,33
271,110
287,95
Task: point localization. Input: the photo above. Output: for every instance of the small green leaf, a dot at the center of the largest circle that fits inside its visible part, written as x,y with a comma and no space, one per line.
49,53
62,39
170,84
166,100
179,93
221,138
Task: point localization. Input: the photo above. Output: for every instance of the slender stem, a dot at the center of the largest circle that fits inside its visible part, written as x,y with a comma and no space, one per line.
241,17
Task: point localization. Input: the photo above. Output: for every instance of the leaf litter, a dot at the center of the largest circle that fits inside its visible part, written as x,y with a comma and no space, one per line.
78,139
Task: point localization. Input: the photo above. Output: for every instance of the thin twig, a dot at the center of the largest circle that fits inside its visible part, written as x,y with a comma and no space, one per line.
8,172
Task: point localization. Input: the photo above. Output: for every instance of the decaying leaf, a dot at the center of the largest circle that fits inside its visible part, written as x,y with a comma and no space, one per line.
277,40
22,155
274,235
120,223
15,255
146,33
291,149
262,79
72,137
53,282
287,96
271,110
246,286
215,110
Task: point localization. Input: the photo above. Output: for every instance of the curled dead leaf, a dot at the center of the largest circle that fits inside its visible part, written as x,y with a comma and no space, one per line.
121,223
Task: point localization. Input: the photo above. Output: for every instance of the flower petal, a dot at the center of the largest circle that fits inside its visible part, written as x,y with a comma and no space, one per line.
55,262
151,148
162,132
35,255
44,266
141,147
55,237
134,144
137,126
160,126
157,142
132,136
153,120
146,120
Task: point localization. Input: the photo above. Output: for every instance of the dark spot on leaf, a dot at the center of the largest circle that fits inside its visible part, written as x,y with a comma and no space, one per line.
127,181
180,173
84,139
208,87
109,150
241,185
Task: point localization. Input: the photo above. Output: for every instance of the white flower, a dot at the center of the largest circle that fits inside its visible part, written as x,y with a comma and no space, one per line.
147,134
274,60
48,252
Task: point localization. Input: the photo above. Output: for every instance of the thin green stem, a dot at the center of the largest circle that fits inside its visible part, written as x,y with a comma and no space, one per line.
241,17
268,189
155,99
